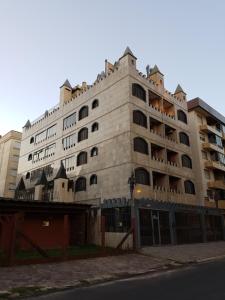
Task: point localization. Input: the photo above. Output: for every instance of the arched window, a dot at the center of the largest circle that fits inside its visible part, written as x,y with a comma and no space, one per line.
28,175
181,116
95,104
80,184
94,151
83,112
138,91
139,118
29,157
142,176
184,138
189,187
186,161
31,140
82,158
140,145
93,179
83,134
94,127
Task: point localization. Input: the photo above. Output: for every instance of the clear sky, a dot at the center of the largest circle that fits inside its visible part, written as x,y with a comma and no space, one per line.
43,42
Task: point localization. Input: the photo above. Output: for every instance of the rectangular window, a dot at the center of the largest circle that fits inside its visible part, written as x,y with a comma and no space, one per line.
40,136
51,131
50,150
36,173
43,153
69,163
69,121
69,141
117,219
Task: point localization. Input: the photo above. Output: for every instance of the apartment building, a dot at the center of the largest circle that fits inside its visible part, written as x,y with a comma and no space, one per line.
125,127
9,158
208,141
125,121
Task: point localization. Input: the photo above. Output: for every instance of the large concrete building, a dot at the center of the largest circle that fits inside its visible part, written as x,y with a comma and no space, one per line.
125,121
208,142
123,131
9,158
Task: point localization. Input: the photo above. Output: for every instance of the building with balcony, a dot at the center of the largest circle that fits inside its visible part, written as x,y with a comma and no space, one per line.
9,159
208,141
87,147
126,121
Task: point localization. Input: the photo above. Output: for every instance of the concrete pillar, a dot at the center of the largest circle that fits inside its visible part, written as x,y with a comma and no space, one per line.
172,223
38,192
203,227
137,231
223,226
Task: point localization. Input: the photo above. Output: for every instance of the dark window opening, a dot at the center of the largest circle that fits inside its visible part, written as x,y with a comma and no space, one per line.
182,116
140,145
83,112
142,176
184,138
95,103
80,184
83,134
81,158
189,187
94,127
139,118
186,161
94,151
117,219
138,91
93,179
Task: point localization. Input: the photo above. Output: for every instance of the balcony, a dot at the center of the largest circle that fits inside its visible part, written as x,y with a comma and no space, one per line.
214,165
217,184
223,135
207,128
214,147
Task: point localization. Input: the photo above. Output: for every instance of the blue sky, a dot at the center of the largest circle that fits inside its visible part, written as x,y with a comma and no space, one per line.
43,42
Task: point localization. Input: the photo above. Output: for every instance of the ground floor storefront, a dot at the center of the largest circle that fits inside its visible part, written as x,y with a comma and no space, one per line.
161,223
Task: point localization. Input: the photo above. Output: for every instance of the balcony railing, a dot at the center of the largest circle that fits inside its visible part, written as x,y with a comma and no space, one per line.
215,165
217,184
207,128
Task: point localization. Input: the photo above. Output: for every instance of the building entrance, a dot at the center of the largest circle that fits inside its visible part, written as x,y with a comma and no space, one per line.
154,227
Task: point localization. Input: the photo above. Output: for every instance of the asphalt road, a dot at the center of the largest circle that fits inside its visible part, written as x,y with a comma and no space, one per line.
205,281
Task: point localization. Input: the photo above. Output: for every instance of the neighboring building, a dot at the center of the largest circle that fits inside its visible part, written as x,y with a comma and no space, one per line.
208,142
125,121
9,158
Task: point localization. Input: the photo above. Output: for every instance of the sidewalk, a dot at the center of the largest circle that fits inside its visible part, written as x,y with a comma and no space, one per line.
76,273
31,279
192,253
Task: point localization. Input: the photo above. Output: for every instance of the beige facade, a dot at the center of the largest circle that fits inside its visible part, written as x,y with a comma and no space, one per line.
208,141
124,122
9,158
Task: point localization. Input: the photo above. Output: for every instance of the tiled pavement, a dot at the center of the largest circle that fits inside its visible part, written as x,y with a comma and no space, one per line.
188,253
90,271
72,273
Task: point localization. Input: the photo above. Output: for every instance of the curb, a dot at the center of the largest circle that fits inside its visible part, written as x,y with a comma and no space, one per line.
210,259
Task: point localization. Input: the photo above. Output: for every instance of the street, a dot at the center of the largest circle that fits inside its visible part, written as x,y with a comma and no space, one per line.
197,282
